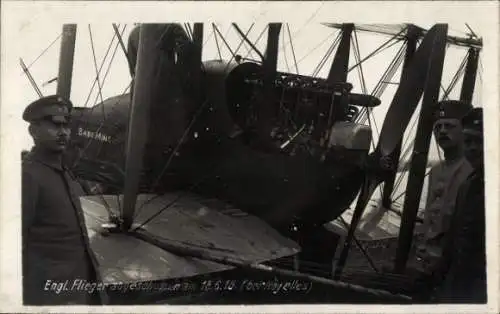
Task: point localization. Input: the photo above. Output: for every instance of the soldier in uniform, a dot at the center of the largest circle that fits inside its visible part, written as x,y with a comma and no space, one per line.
464,260
56,252
444,181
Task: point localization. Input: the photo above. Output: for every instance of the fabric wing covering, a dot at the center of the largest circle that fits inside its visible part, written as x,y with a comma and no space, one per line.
202,224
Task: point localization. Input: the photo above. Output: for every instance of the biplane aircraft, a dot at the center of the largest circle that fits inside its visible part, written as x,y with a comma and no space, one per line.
211,168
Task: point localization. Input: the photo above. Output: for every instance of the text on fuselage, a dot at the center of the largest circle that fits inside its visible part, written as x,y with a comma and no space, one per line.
94,135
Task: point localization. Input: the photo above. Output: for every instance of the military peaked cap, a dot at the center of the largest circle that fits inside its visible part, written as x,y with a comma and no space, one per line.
452,109
473,120
55,107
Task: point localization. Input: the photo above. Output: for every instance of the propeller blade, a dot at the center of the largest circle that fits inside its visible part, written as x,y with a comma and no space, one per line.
407,96
398,116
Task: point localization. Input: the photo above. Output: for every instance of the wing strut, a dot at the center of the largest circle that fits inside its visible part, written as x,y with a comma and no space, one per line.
340,64
469,81
66,60
144,90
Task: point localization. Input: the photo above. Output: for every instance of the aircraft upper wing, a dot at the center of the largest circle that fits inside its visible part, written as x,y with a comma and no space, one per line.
207,225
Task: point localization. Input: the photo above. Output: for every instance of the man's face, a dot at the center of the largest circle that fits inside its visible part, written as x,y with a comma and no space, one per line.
52,135
473,141
448,133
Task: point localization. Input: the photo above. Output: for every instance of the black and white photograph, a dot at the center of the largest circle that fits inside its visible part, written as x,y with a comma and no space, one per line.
255,156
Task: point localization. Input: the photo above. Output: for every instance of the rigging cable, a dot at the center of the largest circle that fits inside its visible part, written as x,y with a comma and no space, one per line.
315,47
122,44
379,88
381,48
99,87
456,77
239,46
223,40
327,55
284,53
43,52
216,41
30,78
360,246
296,34
95,101
96,98
245,38
100,68
382,84
293,50
104,79
257,41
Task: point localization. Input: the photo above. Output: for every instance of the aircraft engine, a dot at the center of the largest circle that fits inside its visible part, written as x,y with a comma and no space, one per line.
309,115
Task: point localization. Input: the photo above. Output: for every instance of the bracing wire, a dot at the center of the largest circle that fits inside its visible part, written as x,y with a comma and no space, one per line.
257,40
296,34
327,55
360,246
216,41
107,71
100,68
224,40
30,78
380,87
308,53
284,53
96,67
120,40
293,49
247,41
382,84
386,45
109,66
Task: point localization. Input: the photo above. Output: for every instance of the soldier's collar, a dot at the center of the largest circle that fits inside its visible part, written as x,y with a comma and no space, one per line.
45,158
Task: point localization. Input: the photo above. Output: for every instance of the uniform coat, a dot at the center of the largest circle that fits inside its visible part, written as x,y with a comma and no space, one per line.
465,254
55,240
444,183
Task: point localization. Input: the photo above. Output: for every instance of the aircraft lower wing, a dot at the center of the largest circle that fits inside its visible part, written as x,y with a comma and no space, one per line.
187,220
